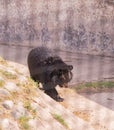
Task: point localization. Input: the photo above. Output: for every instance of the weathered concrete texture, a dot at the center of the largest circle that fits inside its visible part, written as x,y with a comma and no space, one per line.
95,108
81,25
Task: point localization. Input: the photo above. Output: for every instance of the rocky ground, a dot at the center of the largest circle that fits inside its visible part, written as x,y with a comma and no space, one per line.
23,106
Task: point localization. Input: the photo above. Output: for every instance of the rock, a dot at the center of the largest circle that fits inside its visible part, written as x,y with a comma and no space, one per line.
8,104
34,105
7,124
22,78
4,92
36,124
33,123
1,78
11,87
19,111
9,70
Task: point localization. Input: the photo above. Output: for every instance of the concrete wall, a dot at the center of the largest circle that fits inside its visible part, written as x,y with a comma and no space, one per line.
74,25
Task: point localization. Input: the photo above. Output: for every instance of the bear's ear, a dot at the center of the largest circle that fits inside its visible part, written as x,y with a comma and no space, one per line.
70,67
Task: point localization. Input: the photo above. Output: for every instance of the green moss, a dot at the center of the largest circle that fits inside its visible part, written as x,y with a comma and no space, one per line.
28,84
2,82
96,85
23,121
34,112
60,120
2,61
28,106
32,82
8,75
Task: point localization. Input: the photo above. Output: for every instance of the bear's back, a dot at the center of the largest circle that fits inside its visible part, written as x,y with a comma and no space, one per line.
38,55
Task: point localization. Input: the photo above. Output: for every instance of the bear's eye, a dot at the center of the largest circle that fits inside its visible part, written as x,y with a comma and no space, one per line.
60,72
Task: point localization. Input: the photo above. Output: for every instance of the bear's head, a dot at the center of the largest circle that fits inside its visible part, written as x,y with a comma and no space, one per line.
62,75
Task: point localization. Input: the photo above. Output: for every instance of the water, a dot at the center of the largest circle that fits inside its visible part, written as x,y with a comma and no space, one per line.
85,67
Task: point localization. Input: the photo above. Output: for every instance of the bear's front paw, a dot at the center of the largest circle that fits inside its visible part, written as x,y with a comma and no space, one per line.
54,94
59,99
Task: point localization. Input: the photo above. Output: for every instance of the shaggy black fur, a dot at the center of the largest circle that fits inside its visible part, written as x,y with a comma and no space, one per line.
50,70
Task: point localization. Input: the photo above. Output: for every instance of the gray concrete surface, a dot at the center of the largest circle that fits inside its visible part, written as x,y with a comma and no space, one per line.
97,109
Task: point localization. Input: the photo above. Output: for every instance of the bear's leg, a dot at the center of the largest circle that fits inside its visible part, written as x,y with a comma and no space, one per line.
54,94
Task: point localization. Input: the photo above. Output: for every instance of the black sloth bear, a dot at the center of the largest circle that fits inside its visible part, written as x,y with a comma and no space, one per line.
50,70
